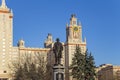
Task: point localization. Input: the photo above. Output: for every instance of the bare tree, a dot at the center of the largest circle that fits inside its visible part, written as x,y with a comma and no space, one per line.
30,67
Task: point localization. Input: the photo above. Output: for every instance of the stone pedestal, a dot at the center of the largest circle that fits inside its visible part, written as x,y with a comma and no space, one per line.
58,71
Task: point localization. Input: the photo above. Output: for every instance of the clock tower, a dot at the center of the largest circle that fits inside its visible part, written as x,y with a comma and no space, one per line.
6,37
73,31
73,39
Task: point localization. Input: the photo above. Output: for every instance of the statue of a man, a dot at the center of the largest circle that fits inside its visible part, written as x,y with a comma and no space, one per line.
57,49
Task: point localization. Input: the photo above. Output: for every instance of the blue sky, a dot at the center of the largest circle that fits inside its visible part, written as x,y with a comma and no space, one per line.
34,19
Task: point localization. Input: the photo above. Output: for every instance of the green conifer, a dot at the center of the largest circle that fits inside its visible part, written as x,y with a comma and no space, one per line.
89,67
77,66
83,65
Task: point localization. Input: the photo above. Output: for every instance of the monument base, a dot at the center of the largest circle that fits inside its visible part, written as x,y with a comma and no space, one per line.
58,71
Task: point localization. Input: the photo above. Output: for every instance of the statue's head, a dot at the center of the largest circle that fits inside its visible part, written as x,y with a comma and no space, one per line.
57,39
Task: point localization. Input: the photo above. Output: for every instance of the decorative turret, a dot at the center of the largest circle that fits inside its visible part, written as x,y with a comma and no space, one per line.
3,5
73,20
11,11
21,43
48,42
84,41
4,8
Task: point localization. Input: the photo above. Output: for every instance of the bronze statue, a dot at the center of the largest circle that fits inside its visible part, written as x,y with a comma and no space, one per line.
57,49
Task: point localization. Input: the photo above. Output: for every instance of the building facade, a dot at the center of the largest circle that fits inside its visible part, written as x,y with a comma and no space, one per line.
108,72
10,53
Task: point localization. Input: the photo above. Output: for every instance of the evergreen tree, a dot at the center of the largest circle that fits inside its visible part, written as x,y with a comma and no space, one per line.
77,66
83,66
89,67
86,66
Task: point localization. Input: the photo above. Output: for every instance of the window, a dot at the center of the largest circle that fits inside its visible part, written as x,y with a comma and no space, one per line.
10,42
74,22
3,64
3,53
4,71
3,56
3,42
3,60
3,39
4,46
3,49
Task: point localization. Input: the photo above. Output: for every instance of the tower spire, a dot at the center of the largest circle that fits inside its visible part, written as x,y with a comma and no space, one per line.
73,20
3,5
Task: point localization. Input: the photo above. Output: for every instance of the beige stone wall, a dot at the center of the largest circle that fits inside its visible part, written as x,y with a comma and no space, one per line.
108,72
34,51
116,72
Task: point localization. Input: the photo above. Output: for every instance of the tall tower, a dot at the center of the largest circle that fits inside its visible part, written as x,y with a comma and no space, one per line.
6,37
74,38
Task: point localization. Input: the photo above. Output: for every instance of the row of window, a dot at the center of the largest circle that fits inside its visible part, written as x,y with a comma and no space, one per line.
9,42
5,49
